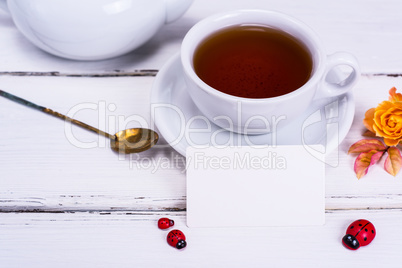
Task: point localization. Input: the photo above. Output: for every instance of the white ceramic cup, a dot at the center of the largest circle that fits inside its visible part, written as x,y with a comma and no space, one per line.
92,29
258,116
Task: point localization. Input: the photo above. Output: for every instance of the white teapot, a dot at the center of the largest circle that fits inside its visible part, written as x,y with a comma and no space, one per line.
92,29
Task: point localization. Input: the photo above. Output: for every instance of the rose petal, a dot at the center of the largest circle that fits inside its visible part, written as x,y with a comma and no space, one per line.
366,145
394,97
391,142
385,132
369,119
392,93
385,105
393,162
364,161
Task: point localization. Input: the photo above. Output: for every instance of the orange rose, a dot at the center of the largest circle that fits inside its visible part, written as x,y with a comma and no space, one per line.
386,119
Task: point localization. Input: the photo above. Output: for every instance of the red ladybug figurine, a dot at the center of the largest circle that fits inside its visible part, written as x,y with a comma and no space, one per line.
164,223
176,239
359,233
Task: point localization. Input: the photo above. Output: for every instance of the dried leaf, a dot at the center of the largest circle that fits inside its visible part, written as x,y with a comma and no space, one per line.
393,163
368,133
366,145
376,157
365,160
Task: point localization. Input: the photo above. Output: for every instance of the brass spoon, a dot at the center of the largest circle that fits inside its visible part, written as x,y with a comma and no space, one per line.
133,140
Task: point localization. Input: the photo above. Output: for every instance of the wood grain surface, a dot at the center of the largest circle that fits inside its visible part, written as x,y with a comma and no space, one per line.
66,200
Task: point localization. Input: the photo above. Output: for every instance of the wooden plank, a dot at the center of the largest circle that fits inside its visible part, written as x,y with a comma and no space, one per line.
133,240
368,29
42,169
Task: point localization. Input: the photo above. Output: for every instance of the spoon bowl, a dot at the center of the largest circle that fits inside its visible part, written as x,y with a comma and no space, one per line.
133,140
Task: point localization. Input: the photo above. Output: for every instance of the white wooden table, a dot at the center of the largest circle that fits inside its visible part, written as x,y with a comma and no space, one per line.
64,206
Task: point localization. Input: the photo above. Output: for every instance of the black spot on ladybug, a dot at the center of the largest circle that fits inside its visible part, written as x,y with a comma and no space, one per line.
351,227
372,231
360,224
365,239
366,230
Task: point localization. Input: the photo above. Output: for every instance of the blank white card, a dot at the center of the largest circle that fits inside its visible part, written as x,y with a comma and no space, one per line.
255,186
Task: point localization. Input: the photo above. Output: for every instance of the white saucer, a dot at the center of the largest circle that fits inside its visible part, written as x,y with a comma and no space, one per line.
181,124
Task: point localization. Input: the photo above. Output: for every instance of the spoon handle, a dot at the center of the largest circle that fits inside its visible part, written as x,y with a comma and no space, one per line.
54,113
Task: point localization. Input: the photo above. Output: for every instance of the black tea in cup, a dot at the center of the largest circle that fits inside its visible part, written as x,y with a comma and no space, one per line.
253,61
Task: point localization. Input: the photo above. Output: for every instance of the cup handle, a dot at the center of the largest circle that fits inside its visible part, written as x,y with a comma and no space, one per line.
332,89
